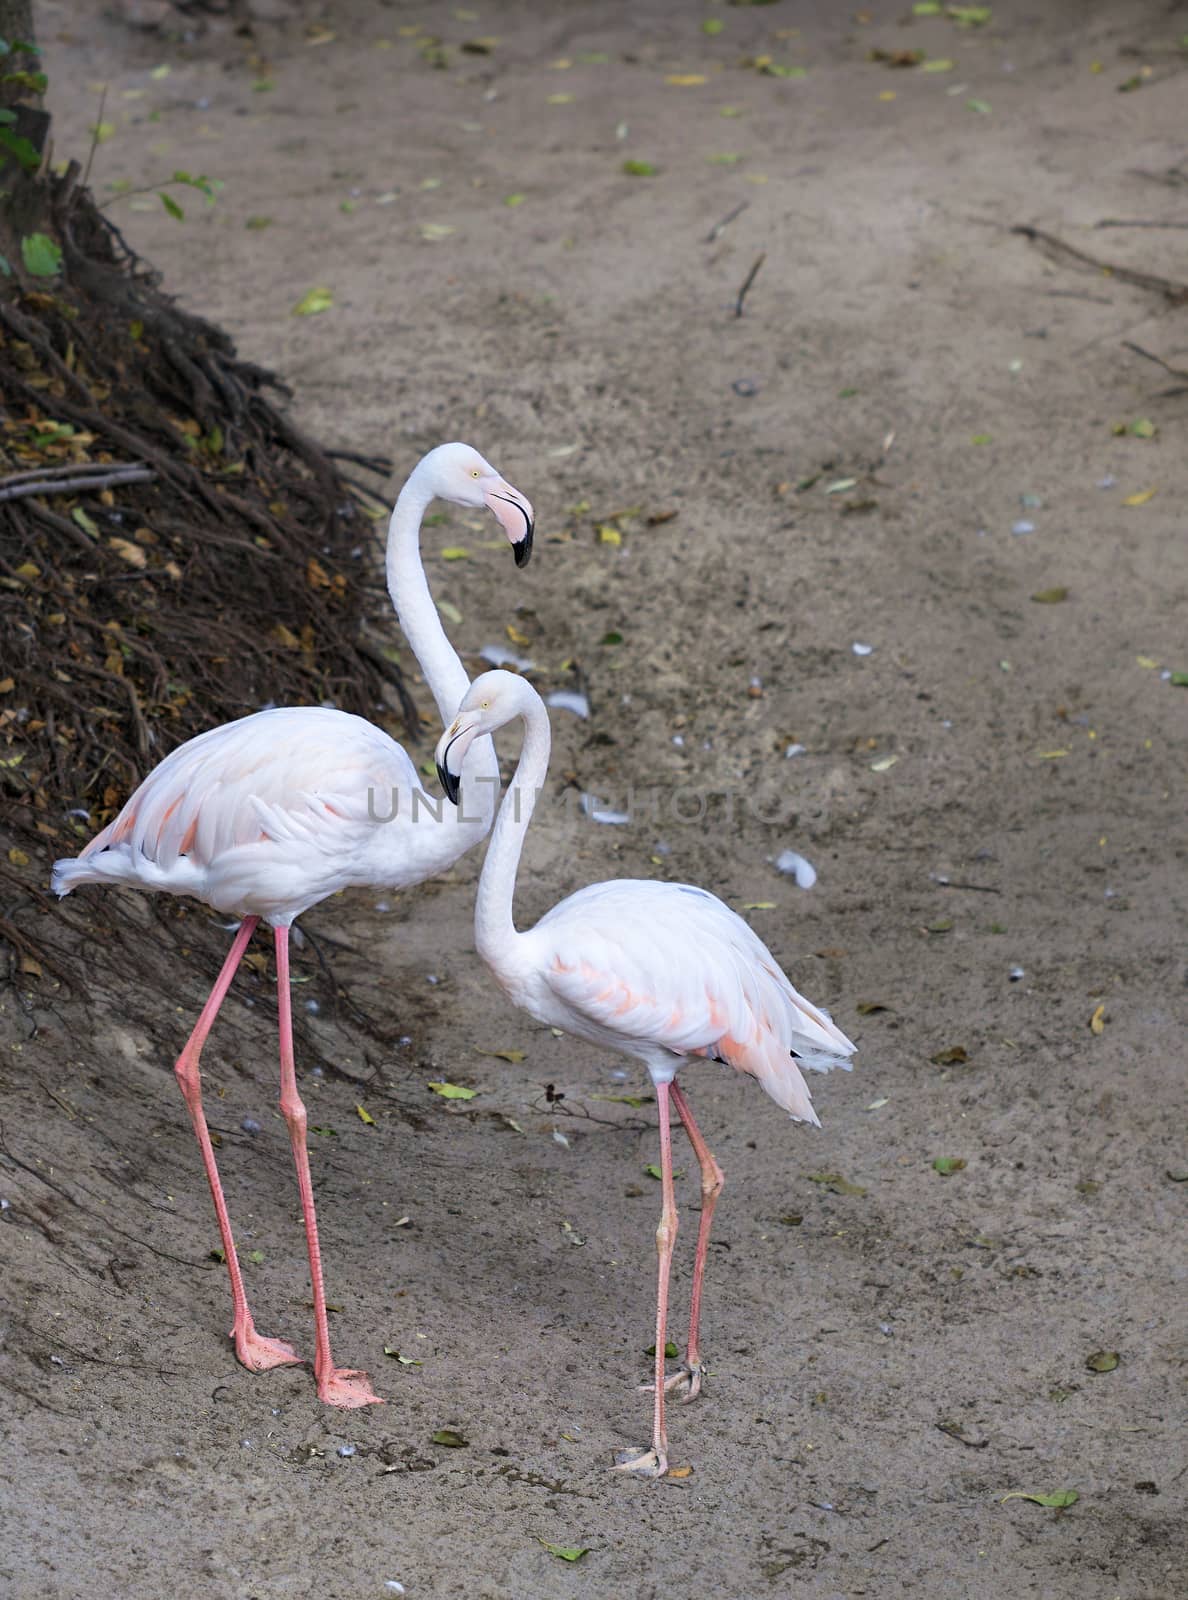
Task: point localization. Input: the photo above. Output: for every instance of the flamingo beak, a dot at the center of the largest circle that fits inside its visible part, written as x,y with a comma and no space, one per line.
514,512
450,754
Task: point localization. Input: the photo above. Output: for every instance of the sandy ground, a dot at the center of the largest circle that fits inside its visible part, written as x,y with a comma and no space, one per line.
996,787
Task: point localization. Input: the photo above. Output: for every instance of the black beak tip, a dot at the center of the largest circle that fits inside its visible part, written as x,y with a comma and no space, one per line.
523,550
451,784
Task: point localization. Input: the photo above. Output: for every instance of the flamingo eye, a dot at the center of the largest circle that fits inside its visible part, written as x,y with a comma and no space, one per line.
475,473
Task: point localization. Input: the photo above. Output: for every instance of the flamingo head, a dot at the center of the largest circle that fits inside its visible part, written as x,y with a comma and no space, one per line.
492,699
456,472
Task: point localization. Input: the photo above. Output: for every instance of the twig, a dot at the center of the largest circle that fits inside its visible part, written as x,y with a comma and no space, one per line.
1175,293
86,177
1115,222
91,482
719,228
380,465
64,472
1174,372
747,282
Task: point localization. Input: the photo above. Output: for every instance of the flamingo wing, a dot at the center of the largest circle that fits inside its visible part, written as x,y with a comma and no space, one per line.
669,966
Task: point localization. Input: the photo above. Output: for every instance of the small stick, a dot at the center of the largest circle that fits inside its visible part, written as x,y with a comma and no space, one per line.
109,480
747,282
67,470
1175,293
1114,222
86,177
1175,372
719,228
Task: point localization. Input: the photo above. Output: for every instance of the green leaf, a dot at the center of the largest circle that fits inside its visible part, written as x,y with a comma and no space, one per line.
635,1100
982,107
937,64
774,70
101,132
255,224
171,205
455,552
980,438
728,158
326,1133
653,1171
1050,597
311,303
947,1165
23,149
927,8
613,637
670,1350
1179,680
263,86
834,1182
79,517
1143,428
6,115
449,611
951,1057
1102,1360
450,1439
969,16
453,1091
405,1361
35,82
514,199
712,25
254,1256
1059,1500
565,1552
639,169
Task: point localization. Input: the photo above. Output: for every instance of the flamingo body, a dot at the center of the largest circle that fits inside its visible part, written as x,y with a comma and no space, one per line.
664,971
268,815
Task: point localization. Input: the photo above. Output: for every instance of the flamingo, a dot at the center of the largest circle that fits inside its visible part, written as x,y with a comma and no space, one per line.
663,972
264,817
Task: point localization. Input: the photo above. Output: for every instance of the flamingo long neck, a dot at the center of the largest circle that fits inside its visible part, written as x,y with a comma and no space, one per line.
437,658
494,924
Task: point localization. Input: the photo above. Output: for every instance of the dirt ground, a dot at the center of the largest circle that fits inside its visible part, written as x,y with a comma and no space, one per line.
921,424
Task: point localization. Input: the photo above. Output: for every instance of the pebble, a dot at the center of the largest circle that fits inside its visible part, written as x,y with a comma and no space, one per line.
1015,974
1022,527
250,1125
312,1007
394,1586
745,387
1108,482
862,649
347,1449
794,750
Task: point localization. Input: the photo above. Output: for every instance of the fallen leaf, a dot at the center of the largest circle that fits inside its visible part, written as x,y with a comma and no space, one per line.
685,80
86,523
653,1171
980,106
7,685
959,1431
937,64
1097,1021
434,232
679,1472
944,925
950,1057
450,1439
453,1091
1059,1499
129,552
254,1256
877,1105
455,552
1050,597
1051,755
759,905
947,1165
635,1100
866,1008
884,764
514,1056
670,1350
449,611
405,1361
314,301
18,857
712,25
514,200
791,1219
609,535
639,169
365,1117
834,1182
565,1552
1102,1361
1139,499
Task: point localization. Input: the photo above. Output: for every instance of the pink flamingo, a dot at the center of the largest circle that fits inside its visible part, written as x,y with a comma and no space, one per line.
660,971
264,817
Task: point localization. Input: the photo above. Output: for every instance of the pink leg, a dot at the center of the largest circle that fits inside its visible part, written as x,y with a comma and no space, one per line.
256,1352
337,1386
712,1184
653,1463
